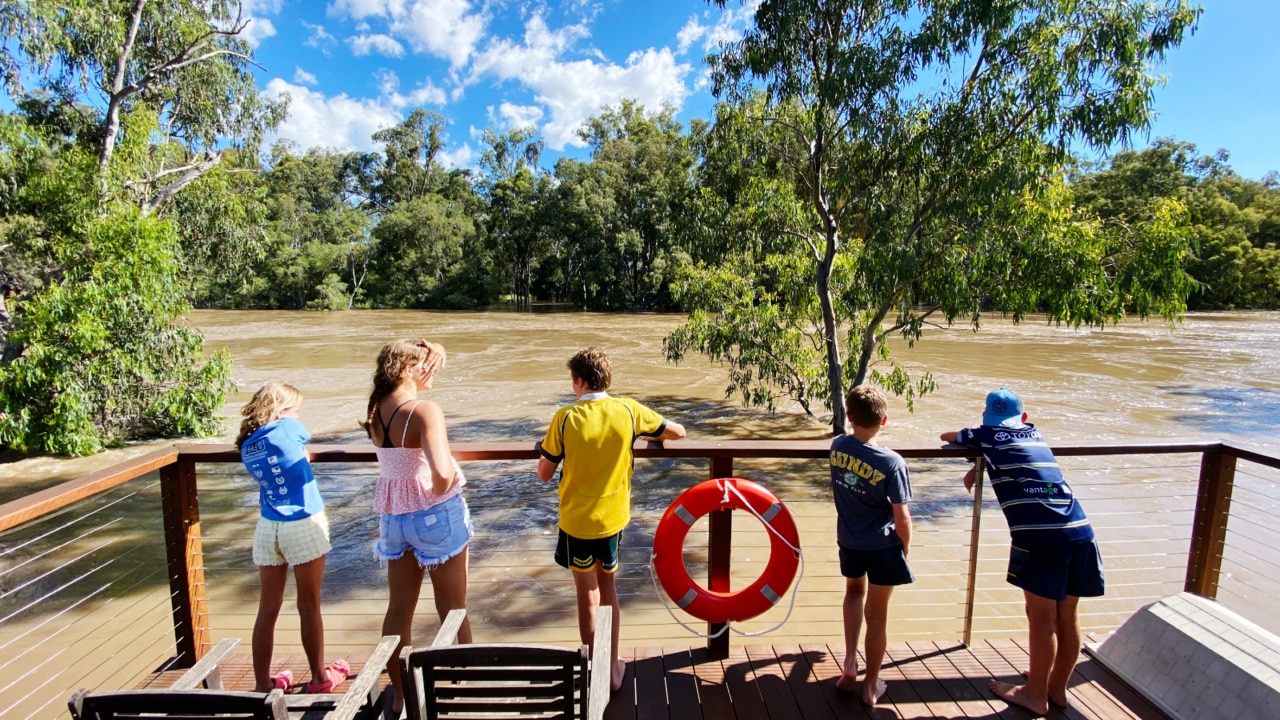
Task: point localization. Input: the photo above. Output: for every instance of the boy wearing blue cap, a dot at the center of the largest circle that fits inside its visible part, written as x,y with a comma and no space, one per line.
1053,557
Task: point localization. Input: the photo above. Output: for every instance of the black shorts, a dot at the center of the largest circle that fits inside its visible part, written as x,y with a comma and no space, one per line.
887,566
1056,571
582,555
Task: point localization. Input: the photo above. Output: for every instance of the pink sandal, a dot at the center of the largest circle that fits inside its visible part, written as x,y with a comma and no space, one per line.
282,680
335,674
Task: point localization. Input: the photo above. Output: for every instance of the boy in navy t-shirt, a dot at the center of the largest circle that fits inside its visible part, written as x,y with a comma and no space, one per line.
873,529
1053,556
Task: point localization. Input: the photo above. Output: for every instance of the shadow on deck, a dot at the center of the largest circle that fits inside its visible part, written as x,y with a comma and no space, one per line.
784,682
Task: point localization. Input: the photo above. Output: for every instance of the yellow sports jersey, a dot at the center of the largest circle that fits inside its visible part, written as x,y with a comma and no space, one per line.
593,437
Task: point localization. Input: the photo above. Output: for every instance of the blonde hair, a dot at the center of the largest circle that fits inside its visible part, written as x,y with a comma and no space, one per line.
396,362
266,405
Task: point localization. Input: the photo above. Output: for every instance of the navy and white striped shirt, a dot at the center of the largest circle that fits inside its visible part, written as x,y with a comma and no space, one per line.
1036,500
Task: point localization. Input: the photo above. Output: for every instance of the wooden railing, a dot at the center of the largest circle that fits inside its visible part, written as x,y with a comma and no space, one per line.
183,538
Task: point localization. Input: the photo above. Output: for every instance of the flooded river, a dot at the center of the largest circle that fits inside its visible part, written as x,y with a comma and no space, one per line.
1213,376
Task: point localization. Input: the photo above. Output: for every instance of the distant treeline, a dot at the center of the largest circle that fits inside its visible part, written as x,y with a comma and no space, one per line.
326,229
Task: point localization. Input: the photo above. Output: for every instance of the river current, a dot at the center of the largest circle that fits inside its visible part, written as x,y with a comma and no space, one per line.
1215,375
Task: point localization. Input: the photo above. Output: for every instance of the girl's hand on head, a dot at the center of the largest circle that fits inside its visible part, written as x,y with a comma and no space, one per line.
435,355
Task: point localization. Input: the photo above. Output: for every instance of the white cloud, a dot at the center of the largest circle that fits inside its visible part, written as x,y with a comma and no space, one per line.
302,77
449,29
257,30
320,38
460,157
257,27
425,94
316,120
359,9
517,116
574,91
382,44
692,32
445,28
729,27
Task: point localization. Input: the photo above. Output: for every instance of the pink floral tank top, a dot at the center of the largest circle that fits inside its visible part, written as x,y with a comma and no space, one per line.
404,480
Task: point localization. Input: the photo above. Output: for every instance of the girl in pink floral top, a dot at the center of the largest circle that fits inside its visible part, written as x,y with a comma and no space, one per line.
424,526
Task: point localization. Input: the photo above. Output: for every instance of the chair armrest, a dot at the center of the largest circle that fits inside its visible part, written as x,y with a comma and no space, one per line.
601,664
448,634
366,683
208,672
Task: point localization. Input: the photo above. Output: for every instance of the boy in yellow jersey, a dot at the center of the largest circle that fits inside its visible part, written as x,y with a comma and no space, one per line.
593,438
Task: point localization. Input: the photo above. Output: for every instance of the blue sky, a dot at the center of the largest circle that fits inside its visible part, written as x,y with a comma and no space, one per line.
353,66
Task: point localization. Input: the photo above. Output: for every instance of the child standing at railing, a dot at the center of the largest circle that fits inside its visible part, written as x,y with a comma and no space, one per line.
593,437
1053,557
292,530
873,529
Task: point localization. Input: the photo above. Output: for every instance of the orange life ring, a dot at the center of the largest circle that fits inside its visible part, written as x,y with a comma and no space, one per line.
718,607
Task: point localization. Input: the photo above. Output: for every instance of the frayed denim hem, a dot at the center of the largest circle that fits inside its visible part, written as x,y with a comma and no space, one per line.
428,564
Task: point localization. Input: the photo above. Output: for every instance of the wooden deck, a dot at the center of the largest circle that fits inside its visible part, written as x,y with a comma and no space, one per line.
786,682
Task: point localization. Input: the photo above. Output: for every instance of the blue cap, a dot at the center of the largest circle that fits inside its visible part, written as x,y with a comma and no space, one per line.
1004,407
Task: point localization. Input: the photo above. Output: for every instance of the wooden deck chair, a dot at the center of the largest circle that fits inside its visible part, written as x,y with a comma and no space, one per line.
503,680
186,700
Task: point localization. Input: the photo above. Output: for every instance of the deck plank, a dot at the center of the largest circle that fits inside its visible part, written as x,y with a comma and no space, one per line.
928,679
772,681
744,693
651,691
911,666
712,690
796,667
825,667
682,686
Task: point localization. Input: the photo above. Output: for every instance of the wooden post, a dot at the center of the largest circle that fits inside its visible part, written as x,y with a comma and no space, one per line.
186,561
975,528
1209,530
719,543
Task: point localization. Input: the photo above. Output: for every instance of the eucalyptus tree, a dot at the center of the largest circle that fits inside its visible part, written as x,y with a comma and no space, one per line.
120,106
519,210
641,168
917,146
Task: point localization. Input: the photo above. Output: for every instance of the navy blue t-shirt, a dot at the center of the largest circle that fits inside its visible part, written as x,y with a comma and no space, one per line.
867,480
1036,500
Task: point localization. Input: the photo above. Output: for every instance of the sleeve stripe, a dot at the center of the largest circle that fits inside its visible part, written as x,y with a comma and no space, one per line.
656,433
553,458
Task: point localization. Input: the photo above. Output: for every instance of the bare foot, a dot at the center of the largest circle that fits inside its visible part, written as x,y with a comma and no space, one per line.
1060,700
847,682
1017,695
615,677
872,692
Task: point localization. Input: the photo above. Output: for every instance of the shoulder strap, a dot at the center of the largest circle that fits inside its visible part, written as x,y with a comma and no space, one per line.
386,426
408,420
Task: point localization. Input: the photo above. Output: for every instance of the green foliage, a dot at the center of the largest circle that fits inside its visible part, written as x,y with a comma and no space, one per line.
104,359
923,139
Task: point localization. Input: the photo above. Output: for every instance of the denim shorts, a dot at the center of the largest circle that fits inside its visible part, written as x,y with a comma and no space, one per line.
434,535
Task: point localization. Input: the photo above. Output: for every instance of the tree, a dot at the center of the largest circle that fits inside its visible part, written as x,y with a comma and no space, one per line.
518,194
120,106
925,138
182,61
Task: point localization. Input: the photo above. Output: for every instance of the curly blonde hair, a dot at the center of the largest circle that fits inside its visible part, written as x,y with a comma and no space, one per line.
270,400
396,361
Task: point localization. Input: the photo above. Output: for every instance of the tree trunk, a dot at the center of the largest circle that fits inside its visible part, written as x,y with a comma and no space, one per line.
835,371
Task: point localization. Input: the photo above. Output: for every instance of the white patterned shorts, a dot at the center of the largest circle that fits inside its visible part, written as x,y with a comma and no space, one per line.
293,543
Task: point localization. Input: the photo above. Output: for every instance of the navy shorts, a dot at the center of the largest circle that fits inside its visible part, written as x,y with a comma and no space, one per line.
1056,571
582,555
887,566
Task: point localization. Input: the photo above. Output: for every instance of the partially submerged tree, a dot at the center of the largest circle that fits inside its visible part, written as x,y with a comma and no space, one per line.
121,104
912,153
